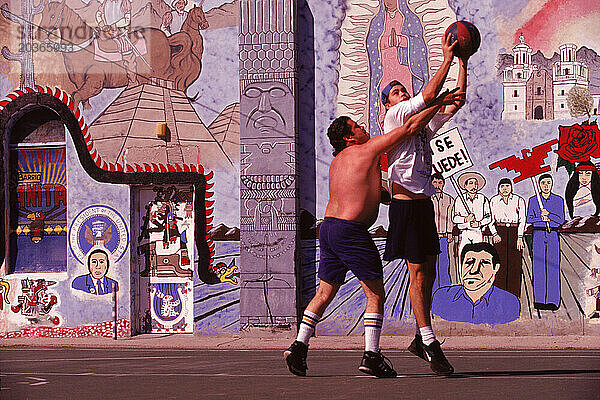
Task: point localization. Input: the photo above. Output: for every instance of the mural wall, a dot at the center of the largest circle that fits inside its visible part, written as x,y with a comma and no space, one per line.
154,89
179,162
514,169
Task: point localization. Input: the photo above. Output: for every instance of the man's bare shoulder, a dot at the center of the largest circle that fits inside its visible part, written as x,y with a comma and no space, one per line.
353,154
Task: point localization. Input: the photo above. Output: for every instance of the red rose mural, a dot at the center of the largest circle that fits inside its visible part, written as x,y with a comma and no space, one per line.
578,142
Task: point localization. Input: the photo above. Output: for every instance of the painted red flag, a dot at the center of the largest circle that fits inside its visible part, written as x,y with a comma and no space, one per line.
531,164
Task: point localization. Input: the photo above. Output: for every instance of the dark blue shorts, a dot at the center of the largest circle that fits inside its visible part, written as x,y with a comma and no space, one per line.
412,234
347,245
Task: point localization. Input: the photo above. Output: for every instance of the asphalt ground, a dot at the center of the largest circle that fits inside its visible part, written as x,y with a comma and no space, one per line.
105,373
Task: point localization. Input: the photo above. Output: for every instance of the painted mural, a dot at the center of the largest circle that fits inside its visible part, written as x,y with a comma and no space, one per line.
527,130
128,67
37,301
96,282
41,226
165,243
206,91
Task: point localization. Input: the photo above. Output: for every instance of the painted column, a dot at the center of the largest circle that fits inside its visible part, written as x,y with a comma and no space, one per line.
268,217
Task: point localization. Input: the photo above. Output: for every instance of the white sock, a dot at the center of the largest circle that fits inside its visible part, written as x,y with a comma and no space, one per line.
373,323
307,326
427,335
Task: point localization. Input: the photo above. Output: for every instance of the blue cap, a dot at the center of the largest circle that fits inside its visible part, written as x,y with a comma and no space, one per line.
386,91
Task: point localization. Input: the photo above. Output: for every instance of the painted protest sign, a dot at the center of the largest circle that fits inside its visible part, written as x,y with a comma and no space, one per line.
449,153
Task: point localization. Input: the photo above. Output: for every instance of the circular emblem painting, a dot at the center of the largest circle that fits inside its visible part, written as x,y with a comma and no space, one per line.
98,226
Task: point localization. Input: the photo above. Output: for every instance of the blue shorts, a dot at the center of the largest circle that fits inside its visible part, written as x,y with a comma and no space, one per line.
412,234
347,245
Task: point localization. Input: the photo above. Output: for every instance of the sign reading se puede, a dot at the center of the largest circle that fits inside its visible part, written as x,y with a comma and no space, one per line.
449,153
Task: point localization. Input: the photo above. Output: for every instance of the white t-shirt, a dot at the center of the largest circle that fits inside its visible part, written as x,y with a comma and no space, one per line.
513,212
409,163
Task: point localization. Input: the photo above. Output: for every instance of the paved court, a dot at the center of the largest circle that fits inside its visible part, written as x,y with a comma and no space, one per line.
261,374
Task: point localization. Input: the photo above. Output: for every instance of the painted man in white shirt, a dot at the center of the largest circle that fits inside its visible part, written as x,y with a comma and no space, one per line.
472,219
173,20
412,233
509,216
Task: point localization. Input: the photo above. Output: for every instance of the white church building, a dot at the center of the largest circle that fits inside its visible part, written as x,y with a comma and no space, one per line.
530,92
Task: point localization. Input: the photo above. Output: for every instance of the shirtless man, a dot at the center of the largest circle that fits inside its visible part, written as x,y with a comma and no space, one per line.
412,234
344,240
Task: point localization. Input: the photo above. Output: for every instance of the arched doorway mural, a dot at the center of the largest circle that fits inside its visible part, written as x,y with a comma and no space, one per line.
58,105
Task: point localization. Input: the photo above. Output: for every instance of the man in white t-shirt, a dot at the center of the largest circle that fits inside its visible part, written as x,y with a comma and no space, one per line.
412,233
471,212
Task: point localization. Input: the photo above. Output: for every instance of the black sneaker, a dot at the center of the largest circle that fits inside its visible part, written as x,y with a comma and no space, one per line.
375,364
295,357
416,347
437,360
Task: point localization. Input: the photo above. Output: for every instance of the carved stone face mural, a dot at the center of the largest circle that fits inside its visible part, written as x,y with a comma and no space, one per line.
268,104
268,108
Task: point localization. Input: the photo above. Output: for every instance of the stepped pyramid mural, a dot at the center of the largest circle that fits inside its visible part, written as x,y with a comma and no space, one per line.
226,130
126,132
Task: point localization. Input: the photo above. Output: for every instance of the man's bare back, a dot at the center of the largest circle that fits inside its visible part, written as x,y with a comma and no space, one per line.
354,186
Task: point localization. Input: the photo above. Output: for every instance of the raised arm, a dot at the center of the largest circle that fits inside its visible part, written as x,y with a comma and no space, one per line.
435,84
461,85
382,143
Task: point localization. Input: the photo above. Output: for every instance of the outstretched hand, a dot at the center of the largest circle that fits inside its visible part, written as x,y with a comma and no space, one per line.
448,47
453,96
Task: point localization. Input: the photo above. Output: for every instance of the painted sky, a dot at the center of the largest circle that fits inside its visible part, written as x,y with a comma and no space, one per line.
562,21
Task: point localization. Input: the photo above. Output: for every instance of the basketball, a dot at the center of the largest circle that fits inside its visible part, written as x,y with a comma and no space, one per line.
468,38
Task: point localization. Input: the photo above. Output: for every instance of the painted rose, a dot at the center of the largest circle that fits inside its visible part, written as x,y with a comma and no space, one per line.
579,142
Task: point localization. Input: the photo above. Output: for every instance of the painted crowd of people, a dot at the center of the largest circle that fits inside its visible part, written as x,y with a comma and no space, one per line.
502,221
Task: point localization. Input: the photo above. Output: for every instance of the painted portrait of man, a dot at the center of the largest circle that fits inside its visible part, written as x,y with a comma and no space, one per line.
477,300
96,282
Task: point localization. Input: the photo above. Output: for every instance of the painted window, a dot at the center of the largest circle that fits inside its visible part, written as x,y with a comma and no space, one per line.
38,218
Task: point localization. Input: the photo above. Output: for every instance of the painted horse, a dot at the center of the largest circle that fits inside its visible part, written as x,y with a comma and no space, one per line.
93,61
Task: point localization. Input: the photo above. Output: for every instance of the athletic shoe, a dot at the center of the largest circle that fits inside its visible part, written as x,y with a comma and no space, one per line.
437,360
295,357
374,363
416,347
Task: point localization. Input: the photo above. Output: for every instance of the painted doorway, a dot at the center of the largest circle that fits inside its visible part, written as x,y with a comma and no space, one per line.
163,262
538,113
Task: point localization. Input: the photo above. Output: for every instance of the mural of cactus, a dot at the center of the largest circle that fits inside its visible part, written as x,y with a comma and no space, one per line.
25,57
